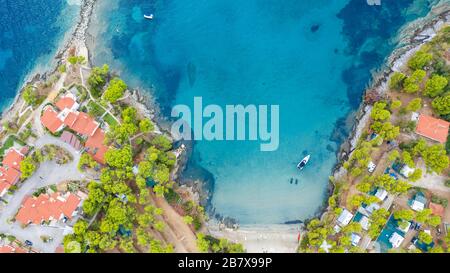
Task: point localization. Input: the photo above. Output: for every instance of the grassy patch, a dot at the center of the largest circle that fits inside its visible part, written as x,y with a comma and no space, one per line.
110,120
8,144
95,109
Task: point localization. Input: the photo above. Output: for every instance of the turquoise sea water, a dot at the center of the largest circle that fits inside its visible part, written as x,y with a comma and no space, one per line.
30,33
311,57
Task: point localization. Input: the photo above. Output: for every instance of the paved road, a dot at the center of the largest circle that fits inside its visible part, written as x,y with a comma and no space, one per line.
52,173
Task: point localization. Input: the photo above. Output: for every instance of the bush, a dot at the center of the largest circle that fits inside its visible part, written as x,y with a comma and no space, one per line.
420,60
396,81
412,83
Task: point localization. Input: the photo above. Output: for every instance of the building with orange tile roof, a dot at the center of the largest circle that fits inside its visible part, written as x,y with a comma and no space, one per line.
432,128
84,124
80,122
4,187
437,209
51,120
13,158
10,170
9,175
47,208
68,101
95,147
12,249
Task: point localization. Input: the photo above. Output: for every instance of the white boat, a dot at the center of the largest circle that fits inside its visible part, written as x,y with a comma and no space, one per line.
150,17
303,163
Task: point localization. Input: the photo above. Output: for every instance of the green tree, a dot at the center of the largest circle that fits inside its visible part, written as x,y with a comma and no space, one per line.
420,60
162,142
119,158
30,95
412,83
390,184
416,175
423,215
379,112
386,130
188,219
406,215
202,244
97,79
377,221
129,115
441,105
435,86
393,155
434,220
425,237
407,159
396,81
435,158
414,105
80,227
115,90
27,167
396,104
146,126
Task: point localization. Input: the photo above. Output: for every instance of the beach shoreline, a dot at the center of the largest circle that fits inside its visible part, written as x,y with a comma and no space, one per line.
75,37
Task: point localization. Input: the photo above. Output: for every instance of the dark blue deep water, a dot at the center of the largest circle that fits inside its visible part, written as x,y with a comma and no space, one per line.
30,32
313,58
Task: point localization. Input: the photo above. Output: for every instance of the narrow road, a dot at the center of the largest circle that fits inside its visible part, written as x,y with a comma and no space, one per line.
183,233
48,173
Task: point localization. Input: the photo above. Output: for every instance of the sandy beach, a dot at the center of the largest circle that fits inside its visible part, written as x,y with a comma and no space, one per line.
261,238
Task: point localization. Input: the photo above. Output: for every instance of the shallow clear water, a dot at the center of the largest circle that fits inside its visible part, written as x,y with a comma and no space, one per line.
313,58
30,33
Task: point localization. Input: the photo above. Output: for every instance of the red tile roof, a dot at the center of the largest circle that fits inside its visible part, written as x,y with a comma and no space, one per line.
50,120
65,102
71,139
70,119
47,207
9,175
4,187
437,209
13,159
433,128
11,249
84,124
96,147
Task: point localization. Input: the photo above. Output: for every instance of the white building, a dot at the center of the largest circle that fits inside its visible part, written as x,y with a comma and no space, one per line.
381,194
396,240
355,239
345,218
371,167
406,171
364,222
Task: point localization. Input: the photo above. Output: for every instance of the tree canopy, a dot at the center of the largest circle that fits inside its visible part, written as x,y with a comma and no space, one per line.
420,60
115,90
435,86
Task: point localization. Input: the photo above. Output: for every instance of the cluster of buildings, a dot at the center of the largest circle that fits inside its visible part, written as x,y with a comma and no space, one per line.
49,208
67,115
10,248
10,169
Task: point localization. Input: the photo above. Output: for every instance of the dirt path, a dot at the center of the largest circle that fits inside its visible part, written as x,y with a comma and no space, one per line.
181,236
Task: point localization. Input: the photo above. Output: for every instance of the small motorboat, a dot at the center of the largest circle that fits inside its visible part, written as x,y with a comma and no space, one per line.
303,163
149,17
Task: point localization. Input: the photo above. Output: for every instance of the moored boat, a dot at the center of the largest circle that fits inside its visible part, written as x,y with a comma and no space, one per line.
150,17
303,163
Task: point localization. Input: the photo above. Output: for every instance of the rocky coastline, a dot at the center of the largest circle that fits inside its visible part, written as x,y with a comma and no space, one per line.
413,37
